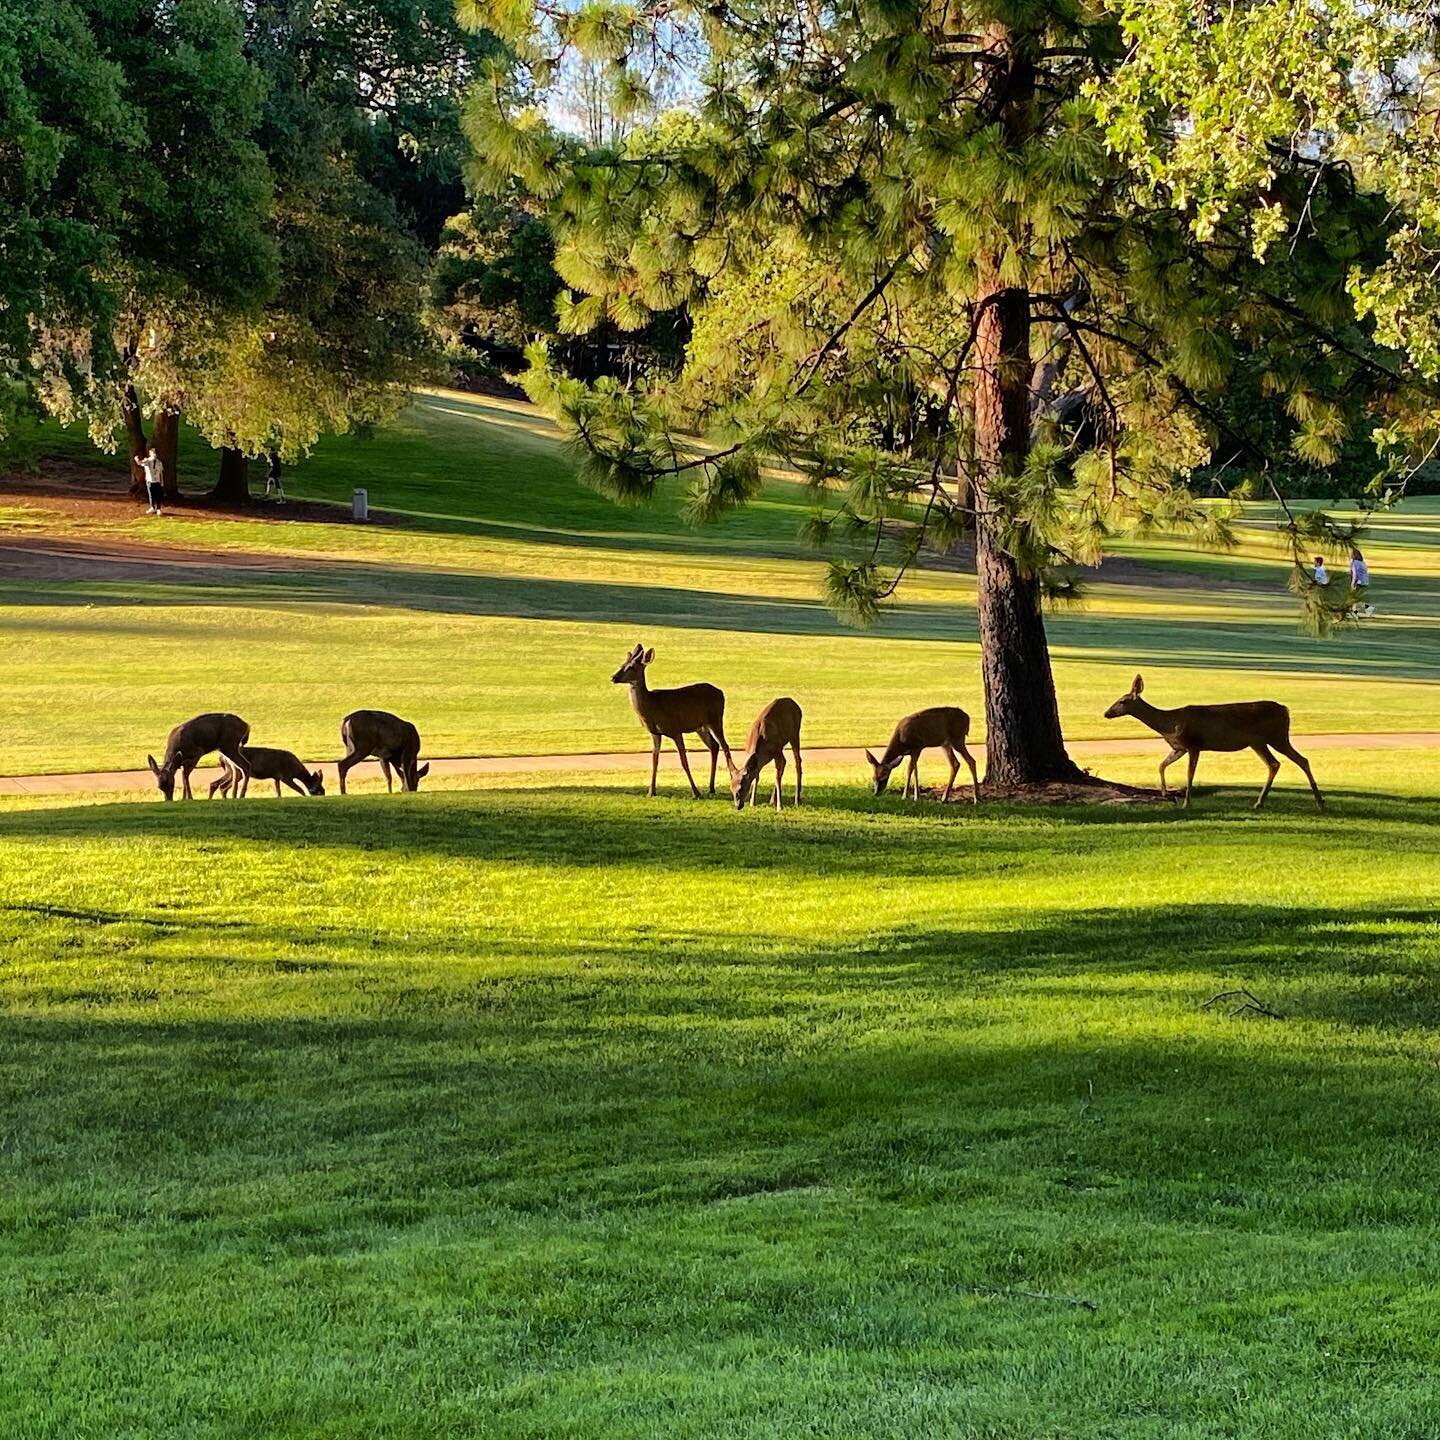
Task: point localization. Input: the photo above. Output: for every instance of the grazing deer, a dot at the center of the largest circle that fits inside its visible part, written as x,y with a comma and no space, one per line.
776,726
1258,725
942,725
267,764
391,740
191,741
670,714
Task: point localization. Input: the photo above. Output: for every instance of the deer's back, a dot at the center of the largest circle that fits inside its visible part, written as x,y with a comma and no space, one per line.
776,725
939,725
1233,727
203,733
685,708
380,731
270,764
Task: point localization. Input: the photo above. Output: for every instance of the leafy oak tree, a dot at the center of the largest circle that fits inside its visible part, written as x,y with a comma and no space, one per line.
987,264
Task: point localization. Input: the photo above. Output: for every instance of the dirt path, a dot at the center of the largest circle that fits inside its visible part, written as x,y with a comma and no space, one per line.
101,782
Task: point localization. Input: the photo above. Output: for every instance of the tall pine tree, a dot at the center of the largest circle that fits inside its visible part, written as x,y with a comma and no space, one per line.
943,260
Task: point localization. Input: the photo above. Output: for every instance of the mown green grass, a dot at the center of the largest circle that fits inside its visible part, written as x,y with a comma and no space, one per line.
545,1110
496,608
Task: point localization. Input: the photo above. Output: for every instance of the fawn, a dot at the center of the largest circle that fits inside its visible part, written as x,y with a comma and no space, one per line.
191,741
942,725
389,739
669,714
268,764
1258,725
776,726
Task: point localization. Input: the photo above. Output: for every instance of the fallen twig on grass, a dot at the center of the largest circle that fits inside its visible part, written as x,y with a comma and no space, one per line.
1251,1004
1078,1301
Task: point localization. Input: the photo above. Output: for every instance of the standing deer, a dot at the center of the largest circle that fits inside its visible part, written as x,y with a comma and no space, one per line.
670,714
391,740
945,726
267,764
1258,725
776,726
191,741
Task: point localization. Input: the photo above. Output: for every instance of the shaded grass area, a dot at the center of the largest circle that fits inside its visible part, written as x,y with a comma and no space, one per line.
542,1109
495,611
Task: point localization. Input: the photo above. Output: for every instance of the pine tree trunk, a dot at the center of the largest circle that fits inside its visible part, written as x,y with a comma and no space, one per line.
1023,743
165,436
135,437
233,485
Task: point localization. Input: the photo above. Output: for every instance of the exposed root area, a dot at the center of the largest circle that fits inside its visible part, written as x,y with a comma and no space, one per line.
1088,790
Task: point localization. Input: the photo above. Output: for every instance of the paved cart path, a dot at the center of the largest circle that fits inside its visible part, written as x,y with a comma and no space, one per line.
637,762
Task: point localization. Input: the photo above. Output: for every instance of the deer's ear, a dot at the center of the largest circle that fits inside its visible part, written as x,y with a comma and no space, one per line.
873,761
423,771
317,777
1138,685
155,769
648,656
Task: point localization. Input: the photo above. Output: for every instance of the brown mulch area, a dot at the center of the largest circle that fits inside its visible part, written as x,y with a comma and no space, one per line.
100,495
1094,791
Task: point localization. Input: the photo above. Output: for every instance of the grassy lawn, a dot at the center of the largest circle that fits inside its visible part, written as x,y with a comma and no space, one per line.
541,1110
494,613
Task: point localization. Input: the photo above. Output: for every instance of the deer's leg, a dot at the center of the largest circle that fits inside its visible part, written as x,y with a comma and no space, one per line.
345,766
389,783
654,762
1190,776
685,765
974,774
1272,765
713,745
718,731
912,778
222,784
779,776
1291,753
1165,764
185,782
799,769
242,772
954,771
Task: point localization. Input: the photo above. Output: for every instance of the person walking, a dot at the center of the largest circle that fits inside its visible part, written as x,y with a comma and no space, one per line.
1359,582
274,487
154,469
1322,575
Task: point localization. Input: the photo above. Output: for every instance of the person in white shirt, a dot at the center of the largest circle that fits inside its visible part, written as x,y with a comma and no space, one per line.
154,469
1360,581
1322,575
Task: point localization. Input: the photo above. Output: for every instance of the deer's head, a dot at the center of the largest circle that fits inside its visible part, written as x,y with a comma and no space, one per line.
315,783
411,775
633,670
1125,705
164,776
882,771
742,781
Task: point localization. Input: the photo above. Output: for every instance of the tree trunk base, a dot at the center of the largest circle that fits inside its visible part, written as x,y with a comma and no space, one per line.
1085,789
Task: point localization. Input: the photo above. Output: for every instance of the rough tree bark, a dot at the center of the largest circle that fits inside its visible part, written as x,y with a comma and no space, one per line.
165,437
135,438
1024,745
233,484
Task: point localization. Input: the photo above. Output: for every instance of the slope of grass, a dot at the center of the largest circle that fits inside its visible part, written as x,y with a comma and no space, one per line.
495,612
543,1110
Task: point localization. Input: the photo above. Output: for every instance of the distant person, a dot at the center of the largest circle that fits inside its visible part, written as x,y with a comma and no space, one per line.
1322,575
154,469
1360,582
274,487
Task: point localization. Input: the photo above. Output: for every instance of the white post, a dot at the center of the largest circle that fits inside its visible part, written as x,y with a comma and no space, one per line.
360,505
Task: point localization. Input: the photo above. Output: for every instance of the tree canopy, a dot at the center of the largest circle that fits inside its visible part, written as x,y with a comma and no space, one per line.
1009,266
